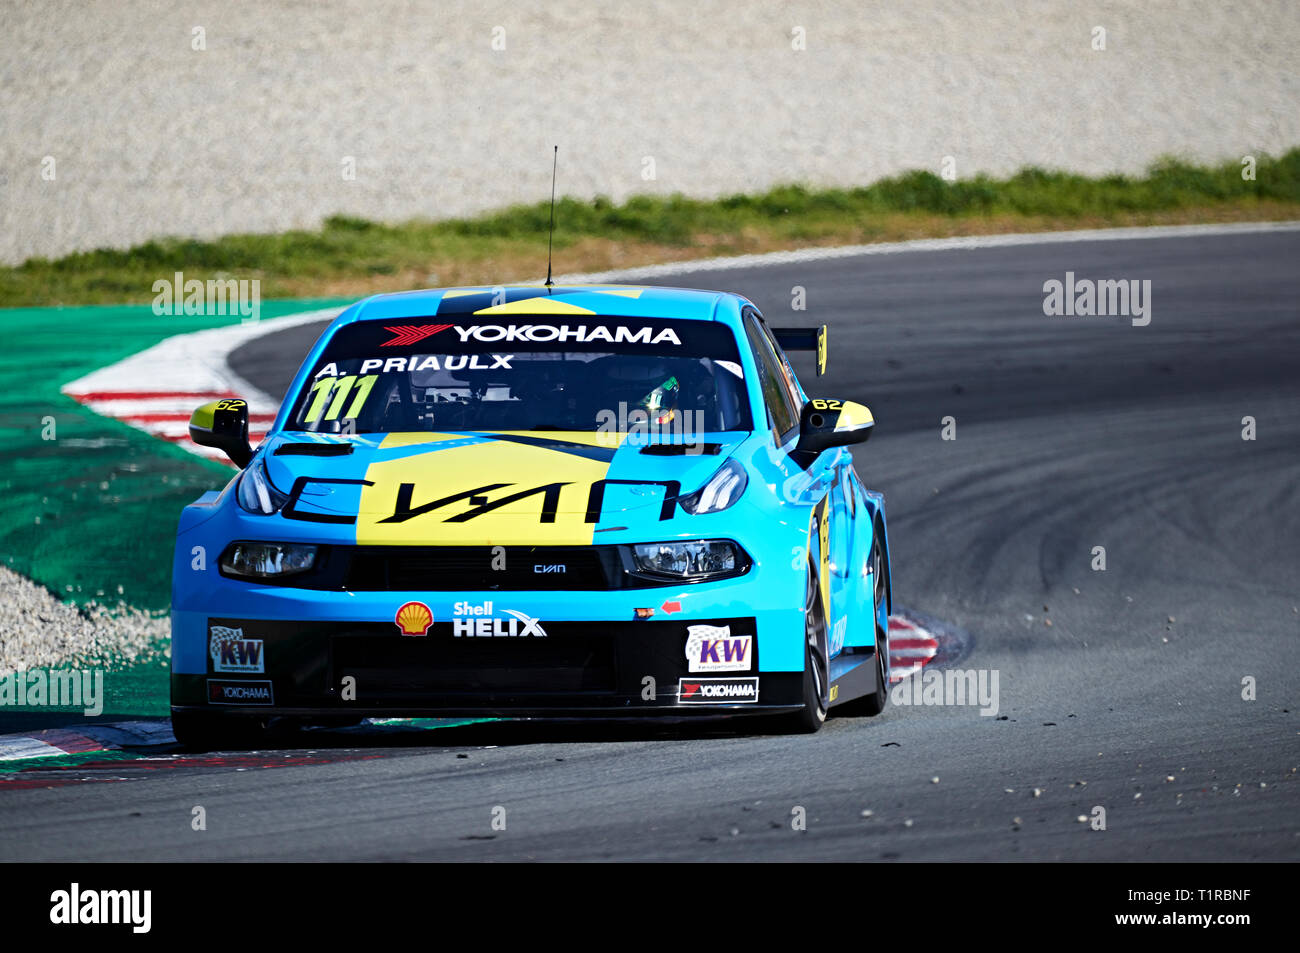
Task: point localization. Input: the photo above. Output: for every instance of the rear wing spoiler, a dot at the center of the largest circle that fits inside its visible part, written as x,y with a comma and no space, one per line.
804,339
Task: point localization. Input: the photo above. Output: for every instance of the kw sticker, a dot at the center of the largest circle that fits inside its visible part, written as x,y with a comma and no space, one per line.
231,652
712,648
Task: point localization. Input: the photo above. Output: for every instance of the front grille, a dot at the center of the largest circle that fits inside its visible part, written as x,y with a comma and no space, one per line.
473,568
406,667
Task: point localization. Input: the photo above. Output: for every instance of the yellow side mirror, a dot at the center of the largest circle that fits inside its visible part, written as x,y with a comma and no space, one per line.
826,423
223,425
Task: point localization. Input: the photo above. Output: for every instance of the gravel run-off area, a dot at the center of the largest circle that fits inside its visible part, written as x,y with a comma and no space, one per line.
39,631
446,109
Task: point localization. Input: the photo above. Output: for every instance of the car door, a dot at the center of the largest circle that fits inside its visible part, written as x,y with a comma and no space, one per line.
822,480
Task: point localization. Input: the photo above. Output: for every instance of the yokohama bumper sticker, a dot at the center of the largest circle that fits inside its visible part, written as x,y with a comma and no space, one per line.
716,691
222,692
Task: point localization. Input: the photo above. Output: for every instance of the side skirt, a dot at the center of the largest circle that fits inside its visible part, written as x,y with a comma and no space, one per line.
852,676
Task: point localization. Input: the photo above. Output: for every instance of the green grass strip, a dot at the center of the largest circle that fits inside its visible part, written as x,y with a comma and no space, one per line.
92,513
351,255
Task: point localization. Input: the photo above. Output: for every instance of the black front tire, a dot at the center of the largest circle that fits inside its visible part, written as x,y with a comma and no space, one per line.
816,670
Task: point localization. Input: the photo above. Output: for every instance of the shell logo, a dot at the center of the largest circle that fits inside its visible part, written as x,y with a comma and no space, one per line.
414,618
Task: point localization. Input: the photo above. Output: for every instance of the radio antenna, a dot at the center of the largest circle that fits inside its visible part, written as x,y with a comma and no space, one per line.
555,158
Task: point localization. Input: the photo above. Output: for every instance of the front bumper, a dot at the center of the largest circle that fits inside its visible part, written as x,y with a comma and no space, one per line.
586,668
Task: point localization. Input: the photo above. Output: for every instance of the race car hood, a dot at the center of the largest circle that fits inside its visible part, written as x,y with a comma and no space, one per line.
488,488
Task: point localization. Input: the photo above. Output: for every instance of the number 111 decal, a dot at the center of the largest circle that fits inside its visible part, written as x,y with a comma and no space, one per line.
334,391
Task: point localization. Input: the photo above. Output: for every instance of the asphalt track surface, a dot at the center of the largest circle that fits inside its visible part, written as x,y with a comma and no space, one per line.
1071,433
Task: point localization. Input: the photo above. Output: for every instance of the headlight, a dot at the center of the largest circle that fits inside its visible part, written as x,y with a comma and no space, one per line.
256,493
691,560
722,490
266,560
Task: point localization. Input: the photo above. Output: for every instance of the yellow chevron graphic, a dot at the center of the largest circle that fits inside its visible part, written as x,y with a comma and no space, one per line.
537,477
538,305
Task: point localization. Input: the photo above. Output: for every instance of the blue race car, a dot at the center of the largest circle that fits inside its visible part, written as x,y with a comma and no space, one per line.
535,502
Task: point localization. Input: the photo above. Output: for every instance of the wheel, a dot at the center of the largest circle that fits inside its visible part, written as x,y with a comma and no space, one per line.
815,667
875,703
200,731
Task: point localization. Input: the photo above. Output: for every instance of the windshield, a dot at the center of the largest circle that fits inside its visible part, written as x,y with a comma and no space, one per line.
607,374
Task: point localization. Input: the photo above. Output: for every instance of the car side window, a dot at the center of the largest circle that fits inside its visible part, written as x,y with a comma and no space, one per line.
776,395
783,363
